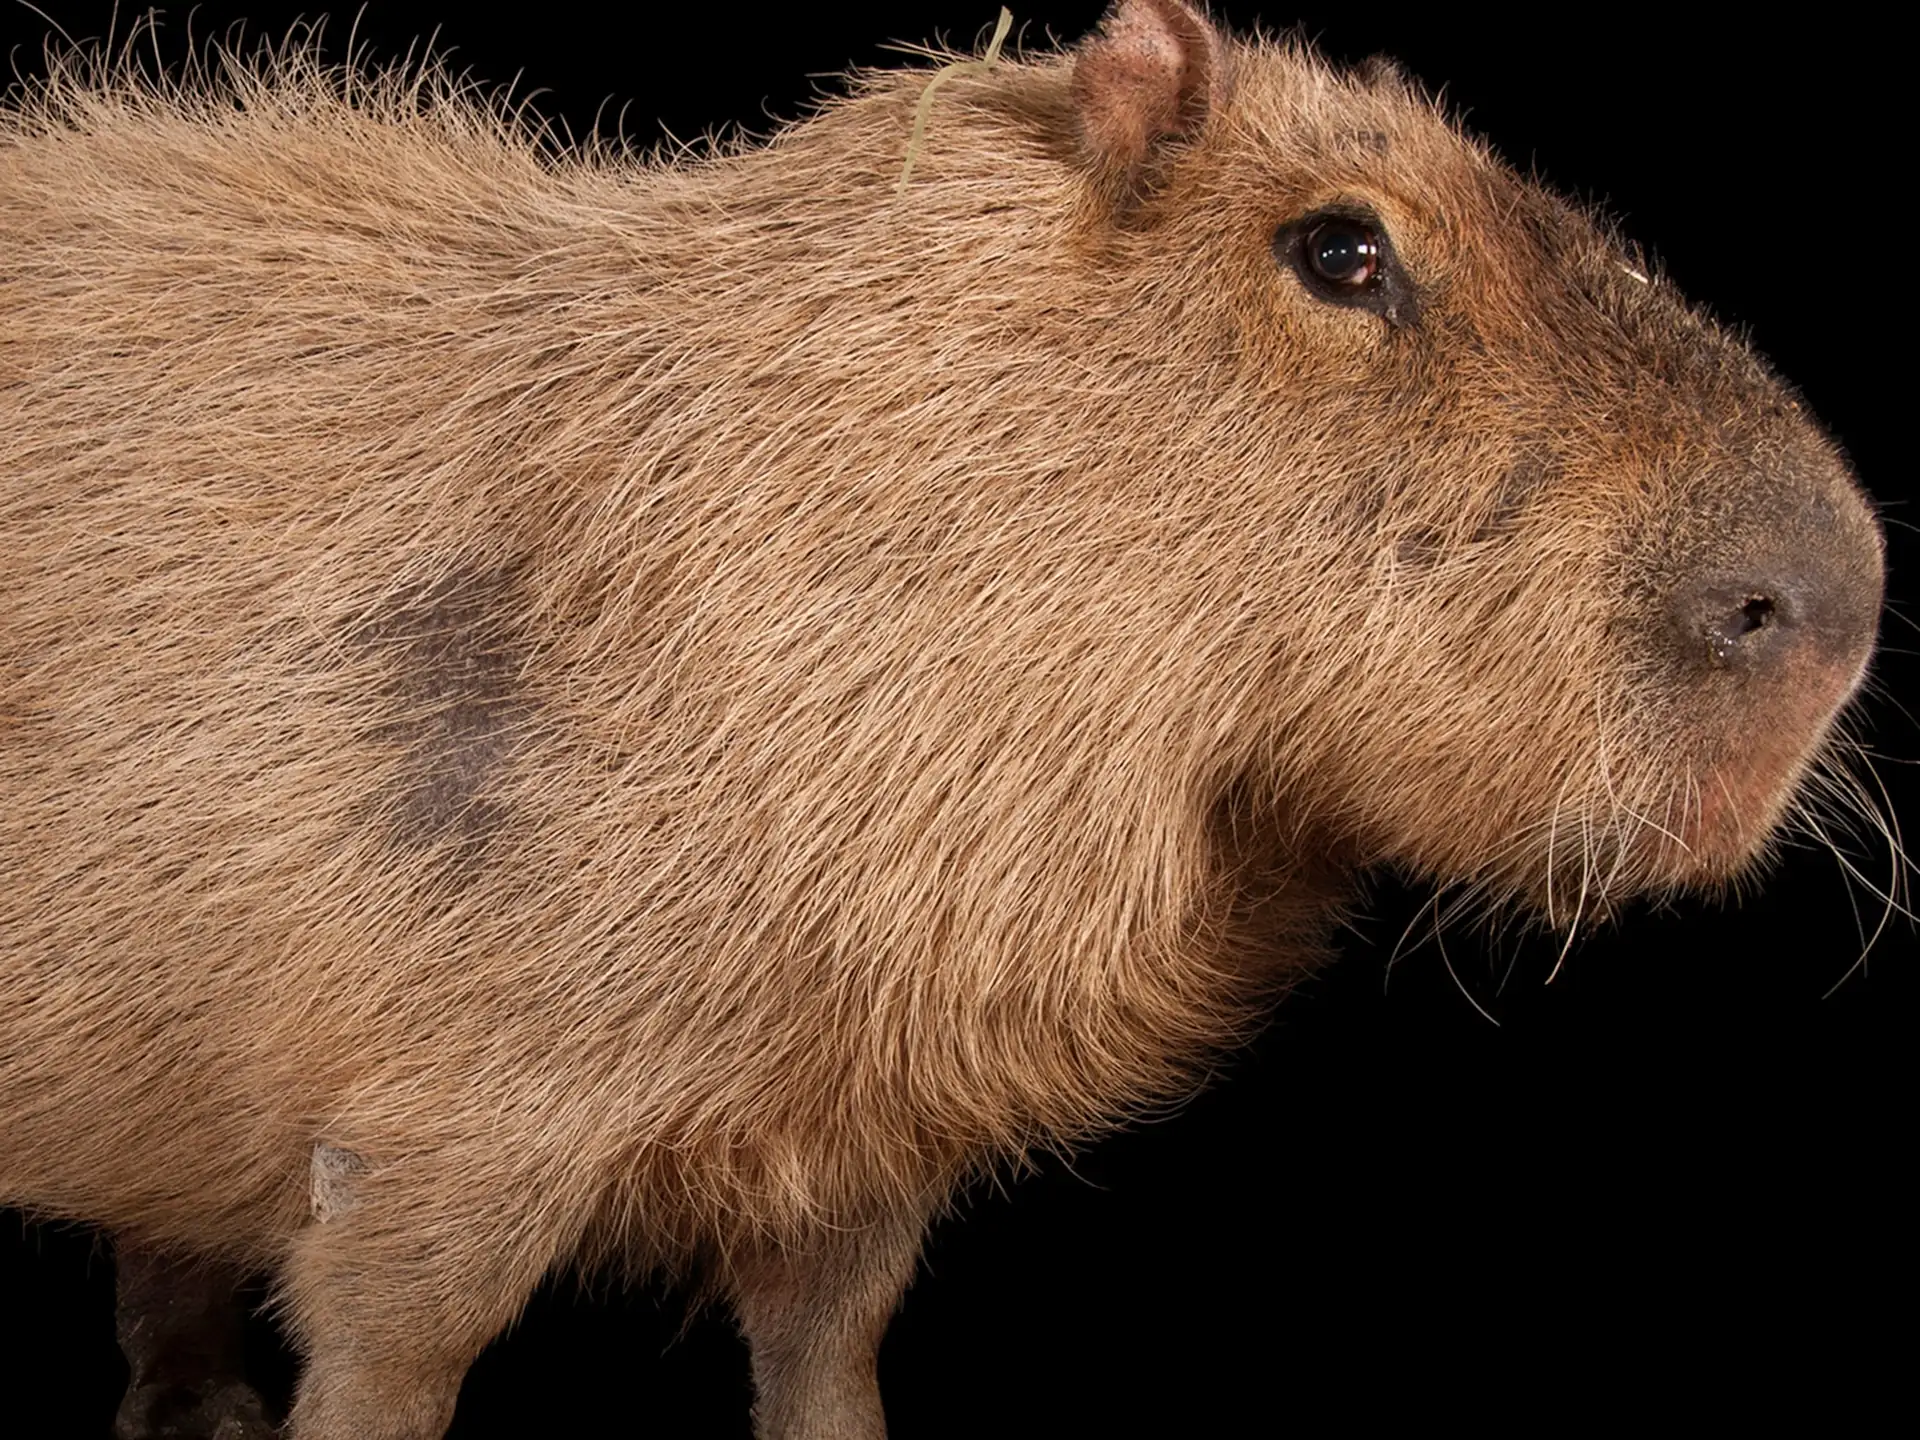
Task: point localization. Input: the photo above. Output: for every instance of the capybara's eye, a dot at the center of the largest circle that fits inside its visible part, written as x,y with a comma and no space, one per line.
1343,256
1343,252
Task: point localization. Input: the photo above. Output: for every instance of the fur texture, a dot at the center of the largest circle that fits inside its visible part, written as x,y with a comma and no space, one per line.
568,708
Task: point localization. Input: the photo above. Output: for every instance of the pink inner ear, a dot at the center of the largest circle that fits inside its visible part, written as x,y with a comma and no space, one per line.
1145,77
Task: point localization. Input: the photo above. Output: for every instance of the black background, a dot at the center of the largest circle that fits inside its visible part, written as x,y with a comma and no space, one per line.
1669,1181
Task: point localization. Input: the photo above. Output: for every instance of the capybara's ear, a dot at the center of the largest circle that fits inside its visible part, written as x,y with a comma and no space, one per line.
1148,79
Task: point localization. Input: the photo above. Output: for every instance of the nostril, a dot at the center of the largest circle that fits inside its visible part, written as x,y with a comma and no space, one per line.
1732,620
1756,614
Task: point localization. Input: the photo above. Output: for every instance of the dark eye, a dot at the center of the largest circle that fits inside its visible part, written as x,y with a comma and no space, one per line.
1343,256
1343,252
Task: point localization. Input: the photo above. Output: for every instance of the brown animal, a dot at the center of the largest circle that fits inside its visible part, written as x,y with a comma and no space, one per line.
563,711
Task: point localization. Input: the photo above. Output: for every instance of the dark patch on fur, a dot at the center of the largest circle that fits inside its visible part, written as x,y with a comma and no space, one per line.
1421,547
453,655
1532,470
1367,496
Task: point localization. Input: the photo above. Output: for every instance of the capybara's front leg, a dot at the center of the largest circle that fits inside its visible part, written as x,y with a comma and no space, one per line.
404,1275
179,1324
813,1316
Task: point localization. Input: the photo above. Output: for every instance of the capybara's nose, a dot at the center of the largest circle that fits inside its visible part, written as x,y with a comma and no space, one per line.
1814,600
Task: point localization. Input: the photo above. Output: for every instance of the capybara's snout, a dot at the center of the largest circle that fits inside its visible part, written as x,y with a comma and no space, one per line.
1769,594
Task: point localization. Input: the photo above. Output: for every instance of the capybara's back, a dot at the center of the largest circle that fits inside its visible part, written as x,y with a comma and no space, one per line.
560,709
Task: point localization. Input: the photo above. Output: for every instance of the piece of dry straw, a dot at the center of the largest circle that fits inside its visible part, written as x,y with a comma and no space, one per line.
947,72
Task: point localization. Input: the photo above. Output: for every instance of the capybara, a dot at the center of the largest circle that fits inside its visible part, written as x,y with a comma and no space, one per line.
564,710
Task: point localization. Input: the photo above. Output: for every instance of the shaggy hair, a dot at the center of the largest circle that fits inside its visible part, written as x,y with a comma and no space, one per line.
560,705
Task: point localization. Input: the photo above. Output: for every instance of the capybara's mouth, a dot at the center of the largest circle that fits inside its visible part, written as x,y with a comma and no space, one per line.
1732,802
1698,827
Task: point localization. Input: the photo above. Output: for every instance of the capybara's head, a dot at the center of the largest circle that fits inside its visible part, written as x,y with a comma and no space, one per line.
1578,585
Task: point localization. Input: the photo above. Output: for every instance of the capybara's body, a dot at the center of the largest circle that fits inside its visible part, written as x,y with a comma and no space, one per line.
569,710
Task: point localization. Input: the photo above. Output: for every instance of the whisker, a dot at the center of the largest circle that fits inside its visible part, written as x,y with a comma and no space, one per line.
1553,835
1447,960
1580,902
1842,787
1395,955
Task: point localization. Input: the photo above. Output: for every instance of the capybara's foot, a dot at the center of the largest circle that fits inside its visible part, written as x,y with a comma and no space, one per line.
179,1325
215,1410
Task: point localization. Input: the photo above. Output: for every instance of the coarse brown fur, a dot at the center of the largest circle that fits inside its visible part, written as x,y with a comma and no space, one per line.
557,708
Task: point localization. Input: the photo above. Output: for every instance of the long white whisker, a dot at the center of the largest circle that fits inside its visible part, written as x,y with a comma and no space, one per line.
1580,903
1447,960
1842,787
1553,835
